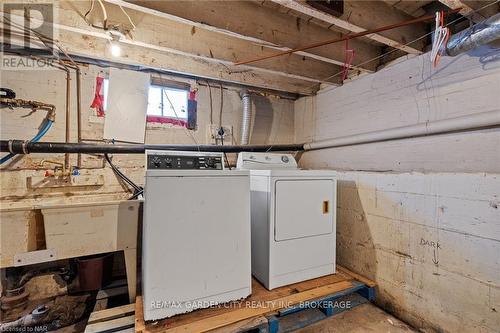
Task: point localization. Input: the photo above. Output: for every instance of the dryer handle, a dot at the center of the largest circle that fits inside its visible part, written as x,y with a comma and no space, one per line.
326,206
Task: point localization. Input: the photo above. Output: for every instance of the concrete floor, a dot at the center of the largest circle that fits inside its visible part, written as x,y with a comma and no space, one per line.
360,319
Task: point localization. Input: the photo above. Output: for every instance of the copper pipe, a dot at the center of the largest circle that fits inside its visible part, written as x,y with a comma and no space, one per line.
34,105
347,37
68,108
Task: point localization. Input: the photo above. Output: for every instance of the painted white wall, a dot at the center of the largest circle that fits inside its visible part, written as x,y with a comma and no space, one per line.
420,216
407,93
430,241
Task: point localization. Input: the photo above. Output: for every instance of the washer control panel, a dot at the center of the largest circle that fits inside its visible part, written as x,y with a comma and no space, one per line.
161,160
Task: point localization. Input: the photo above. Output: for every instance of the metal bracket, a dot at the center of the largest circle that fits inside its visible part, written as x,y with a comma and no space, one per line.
34,257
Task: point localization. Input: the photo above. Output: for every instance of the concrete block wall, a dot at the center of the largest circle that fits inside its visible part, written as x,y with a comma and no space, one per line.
273,122
420,216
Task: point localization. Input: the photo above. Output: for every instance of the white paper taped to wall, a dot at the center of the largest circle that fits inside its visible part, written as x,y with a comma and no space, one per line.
127,104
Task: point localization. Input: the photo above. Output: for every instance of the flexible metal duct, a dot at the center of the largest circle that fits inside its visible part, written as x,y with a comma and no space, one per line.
246,116
479,34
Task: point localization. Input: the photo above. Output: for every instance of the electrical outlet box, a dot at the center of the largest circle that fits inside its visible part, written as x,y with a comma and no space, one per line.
213,136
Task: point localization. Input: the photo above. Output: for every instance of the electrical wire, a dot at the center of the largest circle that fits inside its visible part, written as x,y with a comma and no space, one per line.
121,175
129,19
409,43
136,195
221,130
138,190
43,39
225,155
221,104
104,14
211,107
441,36
88,12
177,116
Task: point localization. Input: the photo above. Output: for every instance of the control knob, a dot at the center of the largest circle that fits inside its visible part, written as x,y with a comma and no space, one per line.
156,161
210,163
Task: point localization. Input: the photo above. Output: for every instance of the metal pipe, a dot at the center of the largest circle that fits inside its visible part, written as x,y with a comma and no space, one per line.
347,37
68,109
475,121
26,147
33,318
246,117
479,34
34,105
79,112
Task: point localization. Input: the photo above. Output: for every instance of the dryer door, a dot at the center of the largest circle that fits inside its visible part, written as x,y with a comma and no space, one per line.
303,208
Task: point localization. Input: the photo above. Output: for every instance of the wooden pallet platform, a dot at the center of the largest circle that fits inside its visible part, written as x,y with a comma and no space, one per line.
280,310
117,319
114,319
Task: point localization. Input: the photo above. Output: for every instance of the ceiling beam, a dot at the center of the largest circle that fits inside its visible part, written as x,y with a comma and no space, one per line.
179,38
360,16
467,9
78,38
412,8
98,48
251,21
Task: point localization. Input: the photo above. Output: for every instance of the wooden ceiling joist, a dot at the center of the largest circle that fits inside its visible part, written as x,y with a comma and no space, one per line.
160,41
250,21
410,7
466,8
365,15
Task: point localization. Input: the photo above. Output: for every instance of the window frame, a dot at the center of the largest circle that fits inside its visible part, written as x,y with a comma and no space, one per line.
105,93
163,119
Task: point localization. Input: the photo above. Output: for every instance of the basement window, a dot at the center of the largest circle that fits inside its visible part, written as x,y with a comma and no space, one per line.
168,103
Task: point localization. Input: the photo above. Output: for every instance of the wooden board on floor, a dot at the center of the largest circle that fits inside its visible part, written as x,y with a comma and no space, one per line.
117,319
113,325
261,302
112,313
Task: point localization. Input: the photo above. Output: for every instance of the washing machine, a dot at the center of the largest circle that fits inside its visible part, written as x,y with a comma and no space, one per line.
293,214
196,233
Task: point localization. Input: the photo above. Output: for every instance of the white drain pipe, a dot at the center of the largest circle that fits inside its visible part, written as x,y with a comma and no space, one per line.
469,122
246,117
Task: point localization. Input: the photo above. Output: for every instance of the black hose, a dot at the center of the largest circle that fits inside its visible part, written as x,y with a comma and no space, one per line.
121,174
136,195
222,143
137,189
16,146
7,93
